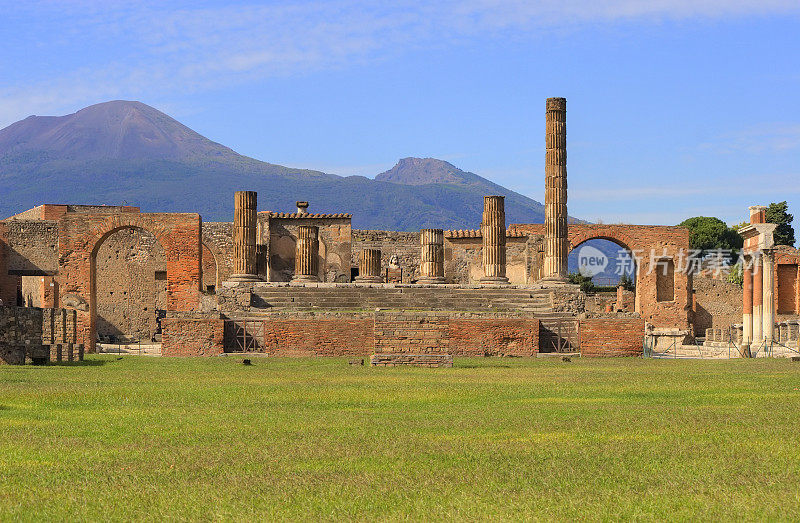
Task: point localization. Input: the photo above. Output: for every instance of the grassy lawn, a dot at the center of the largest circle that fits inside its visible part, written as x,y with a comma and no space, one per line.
209,438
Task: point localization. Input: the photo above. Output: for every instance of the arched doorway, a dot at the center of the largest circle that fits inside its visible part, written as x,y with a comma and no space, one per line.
603,265
210,270
129,285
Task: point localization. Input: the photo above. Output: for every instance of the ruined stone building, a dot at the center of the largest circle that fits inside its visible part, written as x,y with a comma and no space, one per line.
295,282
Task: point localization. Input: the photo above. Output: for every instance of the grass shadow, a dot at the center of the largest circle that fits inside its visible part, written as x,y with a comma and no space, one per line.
82,363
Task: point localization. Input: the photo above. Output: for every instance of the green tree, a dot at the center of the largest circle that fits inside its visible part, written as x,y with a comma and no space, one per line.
627,282
585,282
708,234
736,276
778,213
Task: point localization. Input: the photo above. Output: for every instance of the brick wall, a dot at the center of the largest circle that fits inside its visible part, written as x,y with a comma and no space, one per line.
28,333
218,240
315,335
8,283
607,337
192,336
81,235
649,244
456,333
404,247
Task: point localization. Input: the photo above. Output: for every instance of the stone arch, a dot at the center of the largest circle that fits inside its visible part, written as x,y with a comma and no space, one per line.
217,258
623,241
81,235
128,283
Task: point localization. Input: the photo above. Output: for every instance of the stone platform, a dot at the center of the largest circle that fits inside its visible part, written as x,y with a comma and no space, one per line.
540,299
414,360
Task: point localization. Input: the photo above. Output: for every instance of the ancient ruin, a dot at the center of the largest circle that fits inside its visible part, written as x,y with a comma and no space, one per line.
75,278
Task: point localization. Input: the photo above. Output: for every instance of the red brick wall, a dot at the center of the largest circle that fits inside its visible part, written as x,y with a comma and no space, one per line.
80,235
192,337
8,284
315,336
606,337
460,334
642,240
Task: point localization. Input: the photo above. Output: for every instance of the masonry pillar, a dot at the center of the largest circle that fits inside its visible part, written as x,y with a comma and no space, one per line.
431,267
493,230
556,247
620,297
768,302
369,266
758,300
244,237
747,307
797,291
306,254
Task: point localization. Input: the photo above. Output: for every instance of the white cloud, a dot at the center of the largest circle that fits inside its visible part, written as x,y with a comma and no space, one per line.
763,138
173,47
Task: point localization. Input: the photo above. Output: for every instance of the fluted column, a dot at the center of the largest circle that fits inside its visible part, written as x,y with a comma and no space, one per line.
758,297
556,247
431,266
244,237
768,303
747,306
493,231
369,266
306,254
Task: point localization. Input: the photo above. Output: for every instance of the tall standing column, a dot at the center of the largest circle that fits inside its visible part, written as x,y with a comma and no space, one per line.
758,300
306,254
556,247
493,231
369,266
768,303
747,304
244,237
431,266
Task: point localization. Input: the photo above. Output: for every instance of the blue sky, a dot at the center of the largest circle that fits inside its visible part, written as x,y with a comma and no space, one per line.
675,108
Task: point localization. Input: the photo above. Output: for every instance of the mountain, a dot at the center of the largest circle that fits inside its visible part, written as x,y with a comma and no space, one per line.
128,152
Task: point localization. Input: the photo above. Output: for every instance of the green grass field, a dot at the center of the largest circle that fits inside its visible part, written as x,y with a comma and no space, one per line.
209,438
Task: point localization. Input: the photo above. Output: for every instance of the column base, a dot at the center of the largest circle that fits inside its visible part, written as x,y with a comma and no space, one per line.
436,280
555,278
368,279
493,280
244,277
305,278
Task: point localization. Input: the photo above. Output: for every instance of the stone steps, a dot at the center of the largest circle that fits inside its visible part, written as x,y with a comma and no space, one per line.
400,298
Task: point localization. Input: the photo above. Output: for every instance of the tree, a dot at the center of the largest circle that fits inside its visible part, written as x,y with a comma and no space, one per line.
708,234
585,282
736,275
778,213
627,282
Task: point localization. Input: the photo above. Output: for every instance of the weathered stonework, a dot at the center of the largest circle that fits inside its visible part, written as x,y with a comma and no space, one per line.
369,266
431,267
493,232
244,237
555,192
306,255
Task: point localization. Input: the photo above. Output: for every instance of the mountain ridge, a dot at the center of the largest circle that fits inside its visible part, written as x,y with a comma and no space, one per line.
128,152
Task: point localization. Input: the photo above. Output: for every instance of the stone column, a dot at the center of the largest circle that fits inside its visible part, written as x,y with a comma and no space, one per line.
758,297
556,244
797,291
306,254
244,237
493,230
369,266
431,266
747,304
768,303
620,297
